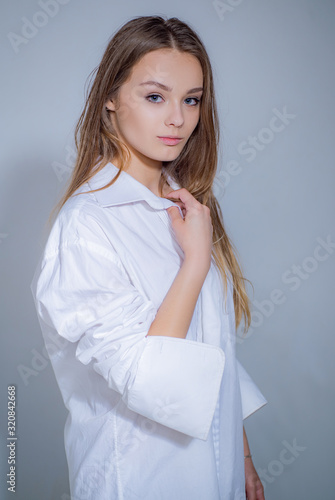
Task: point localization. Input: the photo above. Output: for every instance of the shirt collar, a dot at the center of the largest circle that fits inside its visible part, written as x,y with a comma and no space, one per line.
126,189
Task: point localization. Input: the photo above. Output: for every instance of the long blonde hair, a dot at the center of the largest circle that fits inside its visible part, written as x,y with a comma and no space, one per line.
195,167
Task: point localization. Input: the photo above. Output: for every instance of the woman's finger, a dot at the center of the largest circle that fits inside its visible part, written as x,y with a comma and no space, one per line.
183,198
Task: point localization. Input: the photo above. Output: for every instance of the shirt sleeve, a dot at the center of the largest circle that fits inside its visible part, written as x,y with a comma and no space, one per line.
84,293
252,398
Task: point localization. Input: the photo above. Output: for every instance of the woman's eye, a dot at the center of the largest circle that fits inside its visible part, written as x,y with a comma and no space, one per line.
193,99
153,96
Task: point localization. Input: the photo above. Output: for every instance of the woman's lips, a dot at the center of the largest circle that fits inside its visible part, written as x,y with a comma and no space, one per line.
169,140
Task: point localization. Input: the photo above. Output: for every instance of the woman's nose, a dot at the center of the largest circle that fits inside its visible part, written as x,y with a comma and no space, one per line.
174,115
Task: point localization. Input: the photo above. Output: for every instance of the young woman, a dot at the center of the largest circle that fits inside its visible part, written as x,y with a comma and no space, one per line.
139,291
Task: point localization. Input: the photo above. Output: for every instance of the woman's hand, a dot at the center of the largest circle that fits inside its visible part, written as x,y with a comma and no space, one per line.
194,233
253,485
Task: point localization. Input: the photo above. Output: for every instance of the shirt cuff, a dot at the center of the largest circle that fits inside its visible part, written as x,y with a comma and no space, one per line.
252,398
177,384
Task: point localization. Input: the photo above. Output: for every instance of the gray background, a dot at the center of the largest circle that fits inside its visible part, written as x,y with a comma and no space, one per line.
278,204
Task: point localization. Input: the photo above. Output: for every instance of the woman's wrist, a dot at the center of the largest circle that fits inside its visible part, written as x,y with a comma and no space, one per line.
247,454
200,264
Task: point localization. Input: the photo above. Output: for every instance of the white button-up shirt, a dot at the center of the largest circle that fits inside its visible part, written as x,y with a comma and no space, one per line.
150,417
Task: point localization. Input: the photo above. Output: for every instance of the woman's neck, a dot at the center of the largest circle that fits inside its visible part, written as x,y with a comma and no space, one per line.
147,174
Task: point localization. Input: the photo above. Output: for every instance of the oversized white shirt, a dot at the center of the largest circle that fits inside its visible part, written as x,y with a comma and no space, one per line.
150,417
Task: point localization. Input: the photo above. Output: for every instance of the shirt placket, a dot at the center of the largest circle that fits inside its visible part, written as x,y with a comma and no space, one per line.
164,216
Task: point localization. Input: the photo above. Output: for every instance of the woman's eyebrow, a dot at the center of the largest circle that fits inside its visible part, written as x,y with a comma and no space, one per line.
168,89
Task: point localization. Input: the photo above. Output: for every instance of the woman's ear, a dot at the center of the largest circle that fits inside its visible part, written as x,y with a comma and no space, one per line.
110,105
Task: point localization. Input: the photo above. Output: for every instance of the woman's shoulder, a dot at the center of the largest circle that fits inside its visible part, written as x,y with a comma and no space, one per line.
81,200
79,221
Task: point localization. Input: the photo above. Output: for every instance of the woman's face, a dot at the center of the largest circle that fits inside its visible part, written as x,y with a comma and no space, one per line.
169,105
